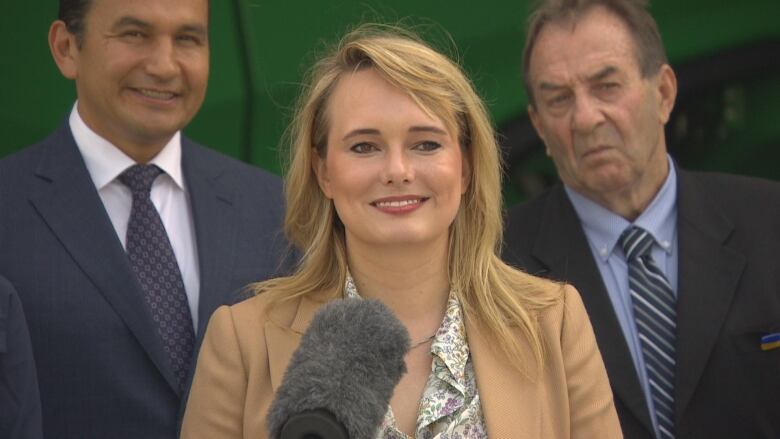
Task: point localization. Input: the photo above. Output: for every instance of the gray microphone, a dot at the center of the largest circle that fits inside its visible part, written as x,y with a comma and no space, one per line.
340,379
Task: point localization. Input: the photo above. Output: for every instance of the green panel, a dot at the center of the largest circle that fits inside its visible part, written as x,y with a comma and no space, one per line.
696,28
737,130
220,122
35,97
487,41
282,37
489,38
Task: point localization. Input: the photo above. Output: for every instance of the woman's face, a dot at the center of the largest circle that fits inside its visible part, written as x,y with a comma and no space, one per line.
394,173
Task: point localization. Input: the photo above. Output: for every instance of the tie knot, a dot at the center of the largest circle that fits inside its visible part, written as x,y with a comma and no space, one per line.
636,242
139,178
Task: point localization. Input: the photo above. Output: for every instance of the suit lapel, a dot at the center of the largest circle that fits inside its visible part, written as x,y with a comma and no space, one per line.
561,247
213,217
708,273
506,396
282,341
68,202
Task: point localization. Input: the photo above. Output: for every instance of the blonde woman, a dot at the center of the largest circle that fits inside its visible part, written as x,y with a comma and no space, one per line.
393,193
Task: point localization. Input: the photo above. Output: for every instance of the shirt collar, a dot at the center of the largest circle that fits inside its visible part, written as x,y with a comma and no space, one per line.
604,227
105,161
350,289
450,343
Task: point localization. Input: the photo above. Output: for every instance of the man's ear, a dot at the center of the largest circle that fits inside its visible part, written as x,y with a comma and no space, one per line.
666,89
534,116
320,168
64,49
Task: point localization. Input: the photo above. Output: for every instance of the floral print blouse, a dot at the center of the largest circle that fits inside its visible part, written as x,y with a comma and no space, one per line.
450,406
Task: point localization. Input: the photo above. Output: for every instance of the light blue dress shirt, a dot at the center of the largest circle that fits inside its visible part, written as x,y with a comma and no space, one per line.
603,229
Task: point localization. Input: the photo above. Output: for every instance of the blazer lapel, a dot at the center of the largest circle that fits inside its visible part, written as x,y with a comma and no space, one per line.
68,202
282,341
506,396
215,232
708,276
561,247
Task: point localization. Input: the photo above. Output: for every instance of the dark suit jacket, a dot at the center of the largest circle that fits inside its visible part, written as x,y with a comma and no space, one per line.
728,297
102,370
20,404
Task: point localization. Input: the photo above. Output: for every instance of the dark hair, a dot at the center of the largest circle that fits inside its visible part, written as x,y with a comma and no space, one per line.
650,51
72,12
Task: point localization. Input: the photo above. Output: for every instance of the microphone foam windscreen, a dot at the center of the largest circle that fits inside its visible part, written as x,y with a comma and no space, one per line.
349,362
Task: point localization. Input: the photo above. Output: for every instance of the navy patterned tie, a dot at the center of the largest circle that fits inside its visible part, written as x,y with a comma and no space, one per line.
154,263
655,316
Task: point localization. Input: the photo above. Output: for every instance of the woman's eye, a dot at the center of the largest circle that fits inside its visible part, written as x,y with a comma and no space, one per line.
427,146
363,148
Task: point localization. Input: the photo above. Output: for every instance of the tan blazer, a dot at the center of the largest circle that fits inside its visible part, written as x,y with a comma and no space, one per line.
244,356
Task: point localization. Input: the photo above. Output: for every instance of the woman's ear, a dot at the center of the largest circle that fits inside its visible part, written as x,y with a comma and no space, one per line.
465,177
320,168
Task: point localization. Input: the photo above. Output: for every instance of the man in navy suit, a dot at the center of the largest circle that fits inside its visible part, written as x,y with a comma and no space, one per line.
106,365
20,404
685,327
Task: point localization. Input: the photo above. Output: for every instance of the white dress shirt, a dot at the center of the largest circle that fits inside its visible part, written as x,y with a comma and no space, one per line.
105,162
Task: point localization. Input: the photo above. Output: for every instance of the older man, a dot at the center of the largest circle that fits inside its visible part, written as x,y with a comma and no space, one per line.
677,269
122,236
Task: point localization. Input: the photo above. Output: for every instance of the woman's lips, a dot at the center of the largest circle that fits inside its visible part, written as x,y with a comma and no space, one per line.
402,204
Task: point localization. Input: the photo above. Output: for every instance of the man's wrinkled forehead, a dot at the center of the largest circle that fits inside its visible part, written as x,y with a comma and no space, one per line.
561,32
136,9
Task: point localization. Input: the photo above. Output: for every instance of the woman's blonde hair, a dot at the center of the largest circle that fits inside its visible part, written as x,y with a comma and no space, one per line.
497,296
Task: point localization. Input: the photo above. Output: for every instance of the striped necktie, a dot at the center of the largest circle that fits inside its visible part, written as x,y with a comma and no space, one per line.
655,316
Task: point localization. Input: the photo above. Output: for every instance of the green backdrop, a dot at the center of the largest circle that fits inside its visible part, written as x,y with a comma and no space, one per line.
260,48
